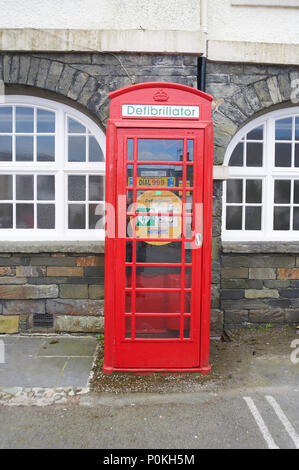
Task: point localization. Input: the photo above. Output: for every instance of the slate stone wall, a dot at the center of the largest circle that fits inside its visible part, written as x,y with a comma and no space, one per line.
51,292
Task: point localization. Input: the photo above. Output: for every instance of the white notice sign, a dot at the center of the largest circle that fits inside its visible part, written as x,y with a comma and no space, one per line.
160,111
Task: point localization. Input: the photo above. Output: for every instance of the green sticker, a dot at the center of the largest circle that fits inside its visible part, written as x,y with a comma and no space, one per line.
158,192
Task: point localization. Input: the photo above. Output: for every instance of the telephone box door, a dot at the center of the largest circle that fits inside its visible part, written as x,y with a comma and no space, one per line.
158,250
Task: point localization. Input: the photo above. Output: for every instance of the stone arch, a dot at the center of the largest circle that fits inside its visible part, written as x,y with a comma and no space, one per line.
61,75
260,96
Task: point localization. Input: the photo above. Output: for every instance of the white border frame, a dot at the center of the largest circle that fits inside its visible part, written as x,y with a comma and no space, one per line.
268,172
59,168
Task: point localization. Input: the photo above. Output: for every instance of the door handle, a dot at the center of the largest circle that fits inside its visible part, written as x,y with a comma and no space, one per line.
198,239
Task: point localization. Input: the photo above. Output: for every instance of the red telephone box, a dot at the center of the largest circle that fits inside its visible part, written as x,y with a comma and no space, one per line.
158,229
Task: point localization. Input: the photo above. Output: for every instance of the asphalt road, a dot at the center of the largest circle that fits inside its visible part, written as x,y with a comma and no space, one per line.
152,421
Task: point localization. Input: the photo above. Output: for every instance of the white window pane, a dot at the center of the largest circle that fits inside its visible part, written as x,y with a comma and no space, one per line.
74,127
236,158
24,149
77,216
253,216
96,216
254,154
254,191
282,191
96,188
6,211
45,187
234,191
234,218
77,149
5,148
256,134
24,187
24,119
45,121
95,151
46,216
281,218
5,187
45,148
5,119
283,154
24,216
76,188
283,129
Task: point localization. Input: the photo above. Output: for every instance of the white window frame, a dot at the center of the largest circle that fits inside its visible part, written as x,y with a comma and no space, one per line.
60,168
268,172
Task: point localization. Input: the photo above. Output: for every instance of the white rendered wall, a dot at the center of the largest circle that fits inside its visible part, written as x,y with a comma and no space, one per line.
101,14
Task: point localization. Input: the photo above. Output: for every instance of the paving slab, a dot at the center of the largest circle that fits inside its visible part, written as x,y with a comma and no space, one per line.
47,361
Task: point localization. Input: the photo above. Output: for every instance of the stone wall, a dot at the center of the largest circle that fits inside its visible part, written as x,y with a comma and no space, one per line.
55,292
259,289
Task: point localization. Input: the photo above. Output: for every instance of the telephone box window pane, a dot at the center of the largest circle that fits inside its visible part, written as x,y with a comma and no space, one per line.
128,302
74,127
282,191
5,148
24,119
129,252
169,253
77,216
283,129
158,276
187,328
24,216
5,187
234,218
190,150
253,191
155,327
187,302
45,148
236,158
45,216
96,216
160,150
129,199
256,134
234,190
254,154
95,151
45,187
129,277
45,121
77,149
128,328
296,218
130,149
296,155
296,191
5,119
283,155
6,215
281,218
96,188
24,187
253,218
24,148
76,188
188,277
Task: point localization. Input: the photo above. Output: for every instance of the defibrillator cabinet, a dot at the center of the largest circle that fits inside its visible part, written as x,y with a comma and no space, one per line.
158,229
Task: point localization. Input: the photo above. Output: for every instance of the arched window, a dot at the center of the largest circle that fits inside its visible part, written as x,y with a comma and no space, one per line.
52,169
261,196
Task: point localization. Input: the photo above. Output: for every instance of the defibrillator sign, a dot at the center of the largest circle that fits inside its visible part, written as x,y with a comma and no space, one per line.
160,111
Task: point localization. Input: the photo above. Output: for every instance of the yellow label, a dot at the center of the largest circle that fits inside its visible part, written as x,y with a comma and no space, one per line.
164,181
158,226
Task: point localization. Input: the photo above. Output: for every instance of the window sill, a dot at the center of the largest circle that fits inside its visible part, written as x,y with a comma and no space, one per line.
84,246
260,247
